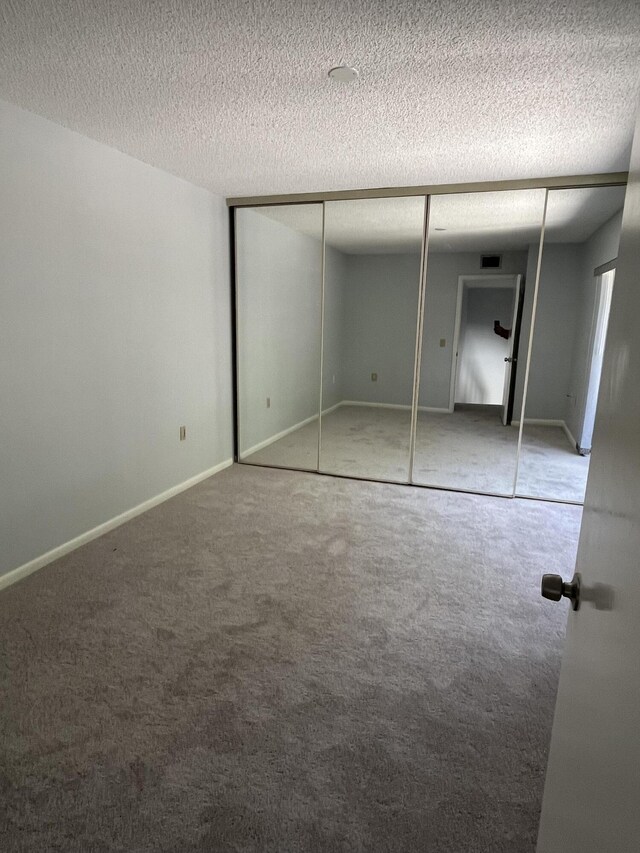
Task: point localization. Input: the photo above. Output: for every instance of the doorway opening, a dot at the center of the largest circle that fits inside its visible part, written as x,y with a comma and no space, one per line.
485,345
602,308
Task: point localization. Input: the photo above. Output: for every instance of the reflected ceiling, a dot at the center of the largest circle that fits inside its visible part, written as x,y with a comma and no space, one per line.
473,222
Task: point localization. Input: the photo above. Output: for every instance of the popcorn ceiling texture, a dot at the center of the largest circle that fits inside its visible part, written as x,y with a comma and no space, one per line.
234,95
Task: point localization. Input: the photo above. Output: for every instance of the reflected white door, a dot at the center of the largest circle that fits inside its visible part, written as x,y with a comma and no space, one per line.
592,791
599,336
509,359
483,341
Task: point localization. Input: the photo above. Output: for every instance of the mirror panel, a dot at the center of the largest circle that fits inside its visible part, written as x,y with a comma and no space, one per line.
581,234
373,250
482,252
278,299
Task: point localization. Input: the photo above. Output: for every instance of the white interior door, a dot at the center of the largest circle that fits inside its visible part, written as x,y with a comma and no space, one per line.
592,791
596,356
481,353
509,359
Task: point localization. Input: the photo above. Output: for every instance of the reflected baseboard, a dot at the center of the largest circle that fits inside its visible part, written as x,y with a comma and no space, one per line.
284,432
374,405
549,422
393,406
288,430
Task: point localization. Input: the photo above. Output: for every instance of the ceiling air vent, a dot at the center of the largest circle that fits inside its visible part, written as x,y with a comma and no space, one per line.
490,262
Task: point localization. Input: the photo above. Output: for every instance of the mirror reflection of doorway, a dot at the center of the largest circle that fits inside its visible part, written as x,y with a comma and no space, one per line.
596,355
483,352
376,341
464,438
567,341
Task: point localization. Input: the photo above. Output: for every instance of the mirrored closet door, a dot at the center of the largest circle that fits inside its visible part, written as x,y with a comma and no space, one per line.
575,286
453,341
373,252
278,303
482,254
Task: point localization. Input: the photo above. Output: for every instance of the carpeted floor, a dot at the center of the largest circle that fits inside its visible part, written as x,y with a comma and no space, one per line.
549,466
469,449
278,661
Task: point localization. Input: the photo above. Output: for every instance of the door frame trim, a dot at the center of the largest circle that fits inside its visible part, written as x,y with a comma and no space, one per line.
477,281
557,183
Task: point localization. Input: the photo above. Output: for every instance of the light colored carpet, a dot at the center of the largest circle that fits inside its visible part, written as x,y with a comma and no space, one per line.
549,466
277,661
299,449
357,441
468,449
367,442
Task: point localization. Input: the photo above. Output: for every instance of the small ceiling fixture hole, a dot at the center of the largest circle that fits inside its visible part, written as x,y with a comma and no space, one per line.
343,73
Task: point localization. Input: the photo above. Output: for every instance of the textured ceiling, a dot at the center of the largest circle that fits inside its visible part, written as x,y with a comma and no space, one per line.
471,222
233,95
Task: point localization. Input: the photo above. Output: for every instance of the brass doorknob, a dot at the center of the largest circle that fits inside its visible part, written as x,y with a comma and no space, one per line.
554,588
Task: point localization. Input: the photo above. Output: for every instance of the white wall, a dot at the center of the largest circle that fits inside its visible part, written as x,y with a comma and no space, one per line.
379,331
114,332
481,352
443,271
378,298
279,275
554,333
335,328
566,298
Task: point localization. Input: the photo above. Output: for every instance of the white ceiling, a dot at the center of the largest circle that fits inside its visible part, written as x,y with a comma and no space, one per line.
472,222
233,95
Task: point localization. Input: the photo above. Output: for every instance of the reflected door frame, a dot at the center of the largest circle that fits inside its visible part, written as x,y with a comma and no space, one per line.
481,280
597,341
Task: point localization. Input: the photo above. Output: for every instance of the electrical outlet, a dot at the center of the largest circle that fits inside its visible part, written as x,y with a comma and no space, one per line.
334,379
268,402
443,342
183,433
374,377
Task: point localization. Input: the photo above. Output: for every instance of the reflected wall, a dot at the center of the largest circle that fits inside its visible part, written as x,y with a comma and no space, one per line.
373,252
581,235
482,252
278,303
376,341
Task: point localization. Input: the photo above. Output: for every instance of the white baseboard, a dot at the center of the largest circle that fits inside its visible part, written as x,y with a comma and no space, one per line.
392,406
17,574
373,405
273,438
332,409
554,422
569,435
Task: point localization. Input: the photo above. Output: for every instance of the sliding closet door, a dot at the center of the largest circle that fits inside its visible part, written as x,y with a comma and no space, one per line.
372,281
482,256
577,274
278,299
